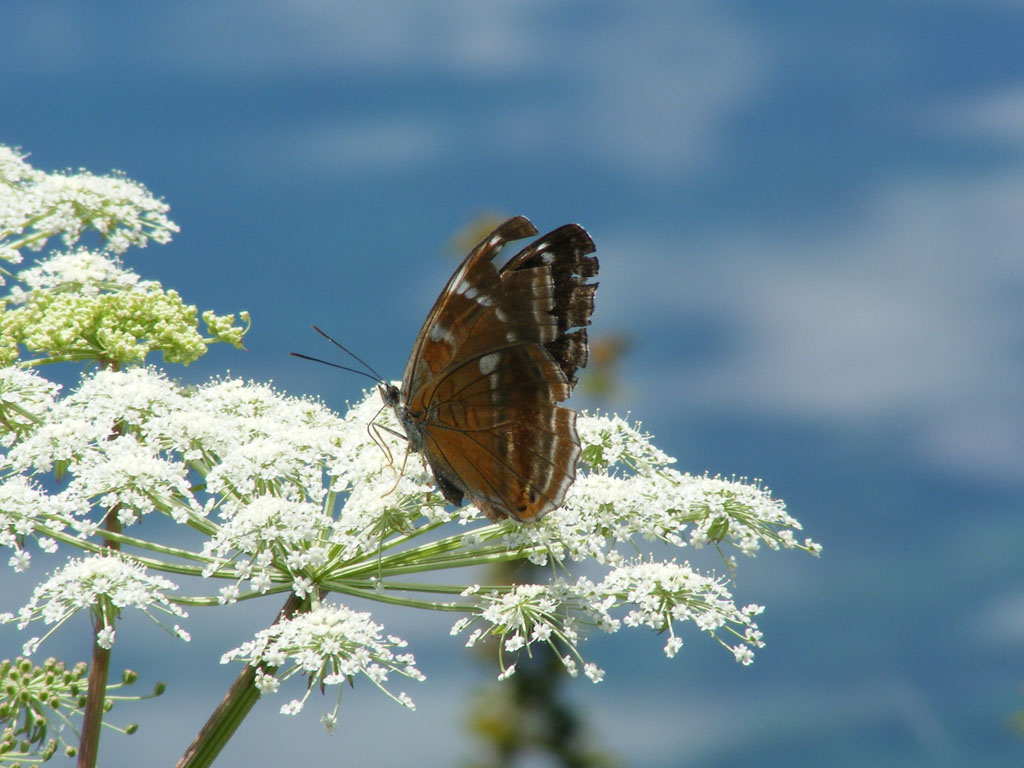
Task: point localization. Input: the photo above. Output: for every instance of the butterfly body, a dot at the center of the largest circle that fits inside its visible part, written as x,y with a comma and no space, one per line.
496,355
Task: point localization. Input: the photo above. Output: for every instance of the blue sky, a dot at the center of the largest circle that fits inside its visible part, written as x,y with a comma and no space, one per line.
809,223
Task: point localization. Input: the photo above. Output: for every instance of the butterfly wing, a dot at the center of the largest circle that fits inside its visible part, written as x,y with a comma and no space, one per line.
489,367
459,305
568,253
512,449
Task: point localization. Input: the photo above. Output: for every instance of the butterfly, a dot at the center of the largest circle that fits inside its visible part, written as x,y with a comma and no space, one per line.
496,355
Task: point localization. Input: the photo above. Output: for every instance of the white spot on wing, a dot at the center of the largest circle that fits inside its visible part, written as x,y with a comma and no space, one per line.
438,333
489,363
542,248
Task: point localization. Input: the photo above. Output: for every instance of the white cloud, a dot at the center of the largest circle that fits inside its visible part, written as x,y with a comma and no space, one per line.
646,92
1000,621
318,36
643,90
995,116
907,312
378,145
658,91
669,728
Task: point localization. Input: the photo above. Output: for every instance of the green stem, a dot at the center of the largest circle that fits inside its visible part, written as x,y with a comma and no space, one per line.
96,693
389,569
114,540
405,602
99,671
200,601
122,539
229,714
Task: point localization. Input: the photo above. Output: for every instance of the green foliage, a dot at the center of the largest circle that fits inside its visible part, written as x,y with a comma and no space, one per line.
120,327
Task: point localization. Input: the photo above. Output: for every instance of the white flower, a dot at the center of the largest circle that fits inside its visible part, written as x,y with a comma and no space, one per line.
548,614
102,584
302,587
672,646
595,673
23,507
35,206
542,631
330,721
293,707
743,654
105,638
331,645
87,272
20,560
25,397
266,683
507,672
269,524
664,593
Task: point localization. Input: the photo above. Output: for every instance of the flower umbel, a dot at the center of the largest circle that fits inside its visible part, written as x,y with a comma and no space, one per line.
666,593
35,206
293,498
550,614
101,584
85,306
31,698
35,698
329,645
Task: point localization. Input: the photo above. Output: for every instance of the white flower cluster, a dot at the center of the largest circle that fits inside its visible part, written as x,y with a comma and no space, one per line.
24,398
631,492
268,531
658,595
35,206
102,584
97,437
289,497
272,468
330,645
83,271
663,593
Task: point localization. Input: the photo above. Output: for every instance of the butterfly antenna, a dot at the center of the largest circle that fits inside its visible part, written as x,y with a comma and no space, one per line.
334,365
353,355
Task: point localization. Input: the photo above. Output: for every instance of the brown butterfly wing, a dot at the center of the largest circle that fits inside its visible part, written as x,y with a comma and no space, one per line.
492,361
457,306
567,253
513,451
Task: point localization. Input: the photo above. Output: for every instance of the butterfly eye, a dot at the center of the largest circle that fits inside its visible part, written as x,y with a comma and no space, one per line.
389,394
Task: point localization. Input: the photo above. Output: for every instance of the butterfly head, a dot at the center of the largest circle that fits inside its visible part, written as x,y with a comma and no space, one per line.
390,394
411,420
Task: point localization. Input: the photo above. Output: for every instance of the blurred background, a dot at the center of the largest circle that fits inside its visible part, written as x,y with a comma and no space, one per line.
810,220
